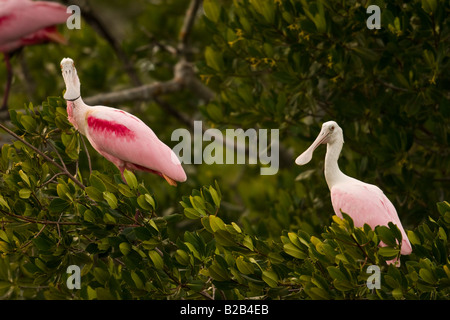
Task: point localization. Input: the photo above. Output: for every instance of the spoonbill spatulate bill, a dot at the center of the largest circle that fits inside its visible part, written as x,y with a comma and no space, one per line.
363,202
117,135
25,23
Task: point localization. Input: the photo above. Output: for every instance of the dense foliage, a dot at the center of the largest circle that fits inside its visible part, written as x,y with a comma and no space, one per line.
229,232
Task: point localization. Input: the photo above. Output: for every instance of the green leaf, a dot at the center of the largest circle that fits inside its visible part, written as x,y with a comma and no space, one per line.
191,213
101,275
397,293
386,235
224,238
216,223
97,183
89,216
215,196
243,266
248,242
214,59
24,177
57,205
413,238
4,203
137,280
63,191
427,276
143,203
111,199
130,178
43,243
28,122
94,193
212,10
388,252
156,259
217,272
294,251
343,285
150,200
24,193
125,190
270,277
318,293
443,207
336,274
182,257
125,248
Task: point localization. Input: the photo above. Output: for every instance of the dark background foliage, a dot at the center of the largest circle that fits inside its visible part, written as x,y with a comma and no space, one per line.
229,232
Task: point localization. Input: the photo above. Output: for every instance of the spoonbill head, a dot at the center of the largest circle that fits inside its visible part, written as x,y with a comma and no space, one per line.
364,203
330,133
69,73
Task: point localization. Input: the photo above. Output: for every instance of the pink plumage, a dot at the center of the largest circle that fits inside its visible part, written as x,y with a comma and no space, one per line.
21,18
119,136
364,203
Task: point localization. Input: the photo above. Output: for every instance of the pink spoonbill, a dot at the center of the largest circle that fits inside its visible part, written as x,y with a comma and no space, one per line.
117,135
24,23
363,202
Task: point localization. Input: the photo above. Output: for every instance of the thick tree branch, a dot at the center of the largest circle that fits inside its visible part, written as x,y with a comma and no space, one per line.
184,77
141,93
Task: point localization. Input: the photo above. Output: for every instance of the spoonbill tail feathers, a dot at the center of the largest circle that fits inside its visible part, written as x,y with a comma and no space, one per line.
119,136
363,202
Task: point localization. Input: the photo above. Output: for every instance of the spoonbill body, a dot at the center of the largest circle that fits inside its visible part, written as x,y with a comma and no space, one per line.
119,136
363,202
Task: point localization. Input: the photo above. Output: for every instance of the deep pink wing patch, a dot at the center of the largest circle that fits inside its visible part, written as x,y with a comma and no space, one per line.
110,127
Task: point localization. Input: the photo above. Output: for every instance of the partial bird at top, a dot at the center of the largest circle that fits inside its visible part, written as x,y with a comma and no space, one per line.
364,203
117,135
25,23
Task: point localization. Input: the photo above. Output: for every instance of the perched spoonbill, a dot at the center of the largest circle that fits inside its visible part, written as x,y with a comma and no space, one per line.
363,202
117,135
24,23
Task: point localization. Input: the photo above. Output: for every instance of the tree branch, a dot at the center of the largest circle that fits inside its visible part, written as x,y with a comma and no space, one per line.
94,20
141,93
186,29
184,77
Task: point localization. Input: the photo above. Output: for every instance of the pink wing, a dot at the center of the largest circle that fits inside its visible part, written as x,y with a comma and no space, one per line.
48,34
127,141
366,203
20,18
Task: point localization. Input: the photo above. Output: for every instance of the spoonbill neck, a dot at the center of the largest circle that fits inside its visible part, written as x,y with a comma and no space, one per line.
333,175
77,113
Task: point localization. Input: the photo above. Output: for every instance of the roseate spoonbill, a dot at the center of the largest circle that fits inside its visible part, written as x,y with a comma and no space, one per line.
24,23
363,202
117,135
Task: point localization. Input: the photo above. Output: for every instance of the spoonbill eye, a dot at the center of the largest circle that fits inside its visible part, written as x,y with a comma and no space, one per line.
331,128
